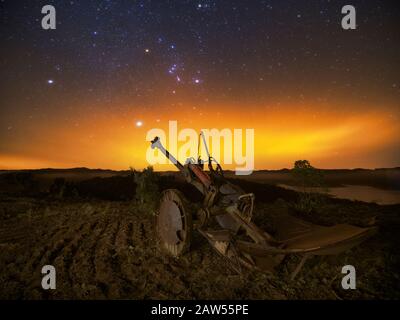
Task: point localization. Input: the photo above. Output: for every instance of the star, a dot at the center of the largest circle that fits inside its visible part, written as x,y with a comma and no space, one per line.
50,81
172,69
139,123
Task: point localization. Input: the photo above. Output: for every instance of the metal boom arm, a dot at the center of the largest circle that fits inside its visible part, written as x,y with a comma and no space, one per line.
156,143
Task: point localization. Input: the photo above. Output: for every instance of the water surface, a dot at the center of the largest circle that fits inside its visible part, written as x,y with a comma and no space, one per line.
360,193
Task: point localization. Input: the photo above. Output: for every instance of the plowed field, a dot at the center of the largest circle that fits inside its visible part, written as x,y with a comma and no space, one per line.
108,250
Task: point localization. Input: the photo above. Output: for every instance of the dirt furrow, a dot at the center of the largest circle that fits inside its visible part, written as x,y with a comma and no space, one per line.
64,260
106,276
50,253
124,256
82,269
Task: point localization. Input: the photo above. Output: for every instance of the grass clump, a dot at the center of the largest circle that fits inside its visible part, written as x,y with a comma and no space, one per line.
147,190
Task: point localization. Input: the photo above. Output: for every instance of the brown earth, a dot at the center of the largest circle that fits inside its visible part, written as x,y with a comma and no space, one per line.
105,249
108,250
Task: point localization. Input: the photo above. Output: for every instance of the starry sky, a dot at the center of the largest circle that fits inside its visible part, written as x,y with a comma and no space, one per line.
74,96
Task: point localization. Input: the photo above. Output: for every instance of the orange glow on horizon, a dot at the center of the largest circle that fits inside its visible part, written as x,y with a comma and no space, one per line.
111,141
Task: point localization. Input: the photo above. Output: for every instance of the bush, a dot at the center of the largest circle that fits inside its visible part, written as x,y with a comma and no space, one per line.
147,191
307,177
58,187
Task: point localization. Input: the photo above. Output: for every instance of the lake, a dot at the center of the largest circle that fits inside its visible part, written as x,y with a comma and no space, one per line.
360,193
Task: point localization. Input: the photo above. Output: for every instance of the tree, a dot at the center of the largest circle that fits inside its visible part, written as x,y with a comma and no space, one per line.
307,178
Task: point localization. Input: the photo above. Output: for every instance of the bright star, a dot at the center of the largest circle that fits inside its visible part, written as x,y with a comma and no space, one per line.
139,124
50,81
172,69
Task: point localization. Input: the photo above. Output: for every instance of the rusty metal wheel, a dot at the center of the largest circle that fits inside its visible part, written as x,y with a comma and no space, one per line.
174,222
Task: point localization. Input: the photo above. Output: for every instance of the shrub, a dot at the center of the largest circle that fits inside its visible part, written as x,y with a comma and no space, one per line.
147,191
307,177
58,187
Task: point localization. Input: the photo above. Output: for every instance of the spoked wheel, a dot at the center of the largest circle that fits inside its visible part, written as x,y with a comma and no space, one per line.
174,223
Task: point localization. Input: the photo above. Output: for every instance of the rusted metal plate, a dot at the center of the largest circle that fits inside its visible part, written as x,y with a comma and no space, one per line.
174,223
230,195
170,222
227,222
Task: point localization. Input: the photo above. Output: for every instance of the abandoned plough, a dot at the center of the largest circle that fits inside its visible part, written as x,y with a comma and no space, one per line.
236,237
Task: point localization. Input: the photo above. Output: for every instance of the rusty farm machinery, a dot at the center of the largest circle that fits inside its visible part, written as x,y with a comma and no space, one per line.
224,218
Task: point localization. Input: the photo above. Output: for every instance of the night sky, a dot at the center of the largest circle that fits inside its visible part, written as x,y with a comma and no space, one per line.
72,97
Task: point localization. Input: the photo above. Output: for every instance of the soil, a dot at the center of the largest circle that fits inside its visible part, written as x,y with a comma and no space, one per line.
107,249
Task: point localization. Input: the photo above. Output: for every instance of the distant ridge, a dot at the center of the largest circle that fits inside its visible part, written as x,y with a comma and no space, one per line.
85,170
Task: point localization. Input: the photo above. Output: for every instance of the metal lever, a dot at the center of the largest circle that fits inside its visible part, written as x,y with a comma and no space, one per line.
156,143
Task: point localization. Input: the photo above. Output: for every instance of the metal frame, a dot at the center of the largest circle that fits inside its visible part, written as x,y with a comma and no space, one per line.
261,251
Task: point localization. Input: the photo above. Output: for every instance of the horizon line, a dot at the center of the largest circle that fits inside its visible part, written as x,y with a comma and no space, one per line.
176,170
